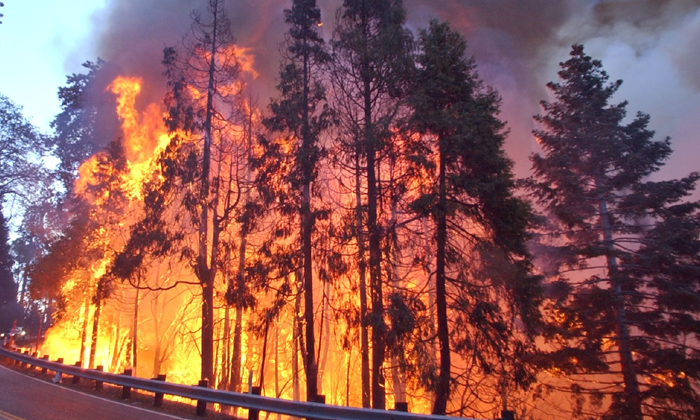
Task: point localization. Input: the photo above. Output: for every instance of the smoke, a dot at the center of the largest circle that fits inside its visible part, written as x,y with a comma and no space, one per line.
650,45
518,44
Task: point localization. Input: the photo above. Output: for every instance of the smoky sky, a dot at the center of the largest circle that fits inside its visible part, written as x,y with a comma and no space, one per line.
517,45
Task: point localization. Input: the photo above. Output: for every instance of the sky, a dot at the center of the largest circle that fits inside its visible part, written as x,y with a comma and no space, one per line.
41,41
652,45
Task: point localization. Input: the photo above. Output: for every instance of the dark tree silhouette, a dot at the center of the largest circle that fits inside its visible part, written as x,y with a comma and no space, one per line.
624,251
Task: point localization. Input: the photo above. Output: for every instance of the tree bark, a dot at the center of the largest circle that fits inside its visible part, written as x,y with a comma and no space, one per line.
225,356
362,268
95,327
235,384
135,333
633,401
398,385
296,338
84,329
375,257
306,230
205,271
442,391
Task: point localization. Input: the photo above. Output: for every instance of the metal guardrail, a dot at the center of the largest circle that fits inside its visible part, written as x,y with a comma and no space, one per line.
255,403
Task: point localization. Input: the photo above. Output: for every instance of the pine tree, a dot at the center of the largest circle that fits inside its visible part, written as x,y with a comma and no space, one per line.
625,299
87,118
371,60
301,113
202,100
480,227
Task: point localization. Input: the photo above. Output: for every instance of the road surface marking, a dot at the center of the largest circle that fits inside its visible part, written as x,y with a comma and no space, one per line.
7,416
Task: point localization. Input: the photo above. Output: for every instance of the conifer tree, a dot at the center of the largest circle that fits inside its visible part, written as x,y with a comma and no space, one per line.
479,226
371,62
625,301
301,114
203,100
87,119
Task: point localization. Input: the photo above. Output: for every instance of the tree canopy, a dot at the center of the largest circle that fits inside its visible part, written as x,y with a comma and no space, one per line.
622,251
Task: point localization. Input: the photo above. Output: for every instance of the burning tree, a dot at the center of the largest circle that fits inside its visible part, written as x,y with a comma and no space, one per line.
202,102
623,251
482,266
302,115
87,121
371,59
72,273
196,172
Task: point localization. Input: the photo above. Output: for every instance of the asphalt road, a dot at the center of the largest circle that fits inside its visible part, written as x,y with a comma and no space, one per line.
26,398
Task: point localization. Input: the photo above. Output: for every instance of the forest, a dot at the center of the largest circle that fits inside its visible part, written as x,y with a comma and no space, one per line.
360,237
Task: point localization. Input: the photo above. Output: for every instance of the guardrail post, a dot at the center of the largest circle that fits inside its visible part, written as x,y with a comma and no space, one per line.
26,353
44,370
507,415
401,406
254,414
319,399
126,390
57,378
201,404
76,378
158,401
98,384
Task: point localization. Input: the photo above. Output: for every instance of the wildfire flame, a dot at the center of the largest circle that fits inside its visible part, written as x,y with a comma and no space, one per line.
165,324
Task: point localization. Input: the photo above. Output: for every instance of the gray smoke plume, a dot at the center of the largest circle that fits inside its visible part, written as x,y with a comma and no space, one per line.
651,44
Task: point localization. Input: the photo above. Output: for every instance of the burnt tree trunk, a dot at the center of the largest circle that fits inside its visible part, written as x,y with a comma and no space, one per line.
442,391
362,268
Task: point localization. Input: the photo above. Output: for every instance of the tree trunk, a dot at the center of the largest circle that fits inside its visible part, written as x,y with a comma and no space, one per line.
116,348
84,329
375,257
431,287
324,341
277,361
225,356
306,230
205,270
296,338
159,339
95,327
442,391
362,268
633,401
235,384
23,289
261,381
397,383
135,333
